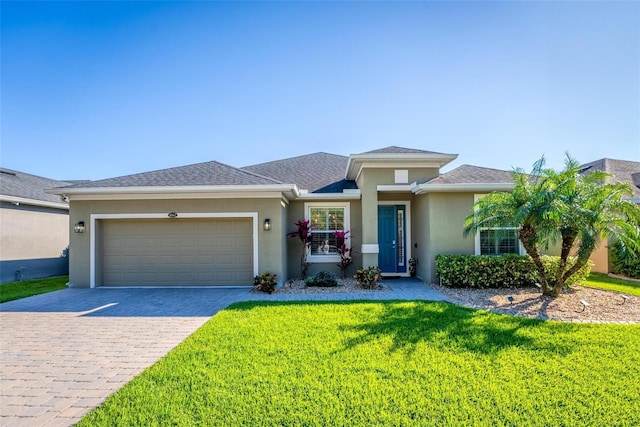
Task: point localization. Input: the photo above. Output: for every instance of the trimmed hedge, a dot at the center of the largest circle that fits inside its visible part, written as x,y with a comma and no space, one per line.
624,262
505,271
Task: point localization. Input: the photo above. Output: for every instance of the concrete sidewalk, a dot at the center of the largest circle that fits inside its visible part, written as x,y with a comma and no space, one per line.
63,353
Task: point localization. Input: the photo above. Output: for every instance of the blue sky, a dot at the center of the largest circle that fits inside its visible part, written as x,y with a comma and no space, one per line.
92,90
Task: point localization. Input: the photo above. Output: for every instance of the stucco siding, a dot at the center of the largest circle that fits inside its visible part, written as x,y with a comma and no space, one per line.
32,233
270,247
600,259
420,235
447,212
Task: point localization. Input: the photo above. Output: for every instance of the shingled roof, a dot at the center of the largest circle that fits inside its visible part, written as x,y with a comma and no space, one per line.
620,170
26,186
399,150
207,173
469,174
309,172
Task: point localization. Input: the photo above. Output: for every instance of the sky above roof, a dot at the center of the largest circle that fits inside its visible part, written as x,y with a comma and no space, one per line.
92,90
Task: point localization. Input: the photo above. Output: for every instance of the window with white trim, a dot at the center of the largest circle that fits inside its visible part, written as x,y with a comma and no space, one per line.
325,219
497,241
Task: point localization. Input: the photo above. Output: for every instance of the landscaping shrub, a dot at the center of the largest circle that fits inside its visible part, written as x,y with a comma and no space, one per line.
322,278
624,262
551,266
266,282
505,271
368,277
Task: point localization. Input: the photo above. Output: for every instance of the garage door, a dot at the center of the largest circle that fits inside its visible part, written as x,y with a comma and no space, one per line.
174,252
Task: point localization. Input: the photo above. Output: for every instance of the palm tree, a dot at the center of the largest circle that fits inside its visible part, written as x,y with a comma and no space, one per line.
546,206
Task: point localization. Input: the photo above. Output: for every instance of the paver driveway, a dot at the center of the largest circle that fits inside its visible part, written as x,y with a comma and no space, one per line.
63,353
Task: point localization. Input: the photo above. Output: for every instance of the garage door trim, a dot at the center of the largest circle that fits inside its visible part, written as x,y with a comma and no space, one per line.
95,217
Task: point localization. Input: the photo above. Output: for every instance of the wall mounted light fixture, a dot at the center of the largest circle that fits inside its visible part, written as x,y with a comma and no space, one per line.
78,227
172,215
266,226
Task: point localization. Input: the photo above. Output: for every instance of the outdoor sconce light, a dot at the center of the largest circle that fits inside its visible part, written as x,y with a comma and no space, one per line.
267,224
172,215
78,227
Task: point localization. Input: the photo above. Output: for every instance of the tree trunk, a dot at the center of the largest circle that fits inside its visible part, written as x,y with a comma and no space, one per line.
568,239
528,237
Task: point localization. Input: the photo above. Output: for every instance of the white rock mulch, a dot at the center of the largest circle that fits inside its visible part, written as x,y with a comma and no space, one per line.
603,306
344,286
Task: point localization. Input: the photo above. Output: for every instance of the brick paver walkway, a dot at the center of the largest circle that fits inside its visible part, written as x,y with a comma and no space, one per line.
64,353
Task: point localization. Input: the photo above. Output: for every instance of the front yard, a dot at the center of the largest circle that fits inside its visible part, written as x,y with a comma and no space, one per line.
385,363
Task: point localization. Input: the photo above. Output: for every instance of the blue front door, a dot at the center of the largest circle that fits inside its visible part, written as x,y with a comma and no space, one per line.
392,239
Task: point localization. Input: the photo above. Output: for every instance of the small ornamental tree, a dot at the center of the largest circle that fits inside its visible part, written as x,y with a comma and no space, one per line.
345,252
304,234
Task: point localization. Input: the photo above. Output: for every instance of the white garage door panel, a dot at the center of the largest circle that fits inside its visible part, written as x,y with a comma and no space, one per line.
177,252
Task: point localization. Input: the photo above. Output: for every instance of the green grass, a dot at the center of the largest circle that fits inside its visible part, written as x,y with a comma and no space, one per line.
385,363
602,281
16,290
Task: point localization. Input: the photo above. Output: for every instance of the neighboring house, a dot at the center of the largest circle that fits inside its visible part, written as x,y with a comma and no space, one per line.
620,171
34,227
214,224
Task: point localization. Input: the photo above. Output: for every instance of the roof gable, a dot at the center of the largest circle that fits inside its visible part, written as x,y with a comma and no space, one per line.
399,150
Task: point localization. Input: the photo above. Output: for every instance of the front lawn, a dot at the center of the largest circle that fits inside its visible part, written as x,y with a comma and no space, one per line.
16,290
385,363
603,281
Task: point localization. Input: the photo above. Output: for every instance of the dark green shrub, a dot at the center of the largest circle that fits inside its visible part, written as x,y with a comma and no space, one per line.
266,282
368,277
551,267
624,262
322,278
506,271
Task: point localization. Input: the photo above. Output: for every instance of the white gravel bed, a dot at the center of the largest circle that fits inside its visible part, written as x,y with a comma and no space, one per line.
604,306
344,286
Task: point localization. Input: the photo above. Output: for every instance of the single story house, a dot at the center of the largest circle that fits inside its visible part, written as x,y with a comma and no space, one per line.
620,171
34,227
214,224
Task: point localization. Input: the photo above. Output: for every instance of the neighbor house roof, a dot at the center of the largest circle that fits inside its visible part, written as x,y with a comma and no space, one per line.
309,172
620,170
19,187
207,173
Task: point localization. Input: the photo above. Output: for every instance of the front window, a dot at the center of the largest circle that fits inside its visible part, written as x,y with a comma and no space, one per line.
326,219
496,241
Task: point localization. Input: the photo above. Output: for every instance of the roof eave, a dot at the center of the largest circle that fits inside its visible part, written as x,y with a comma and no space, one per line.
34,202
290,190
346,195
463,187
